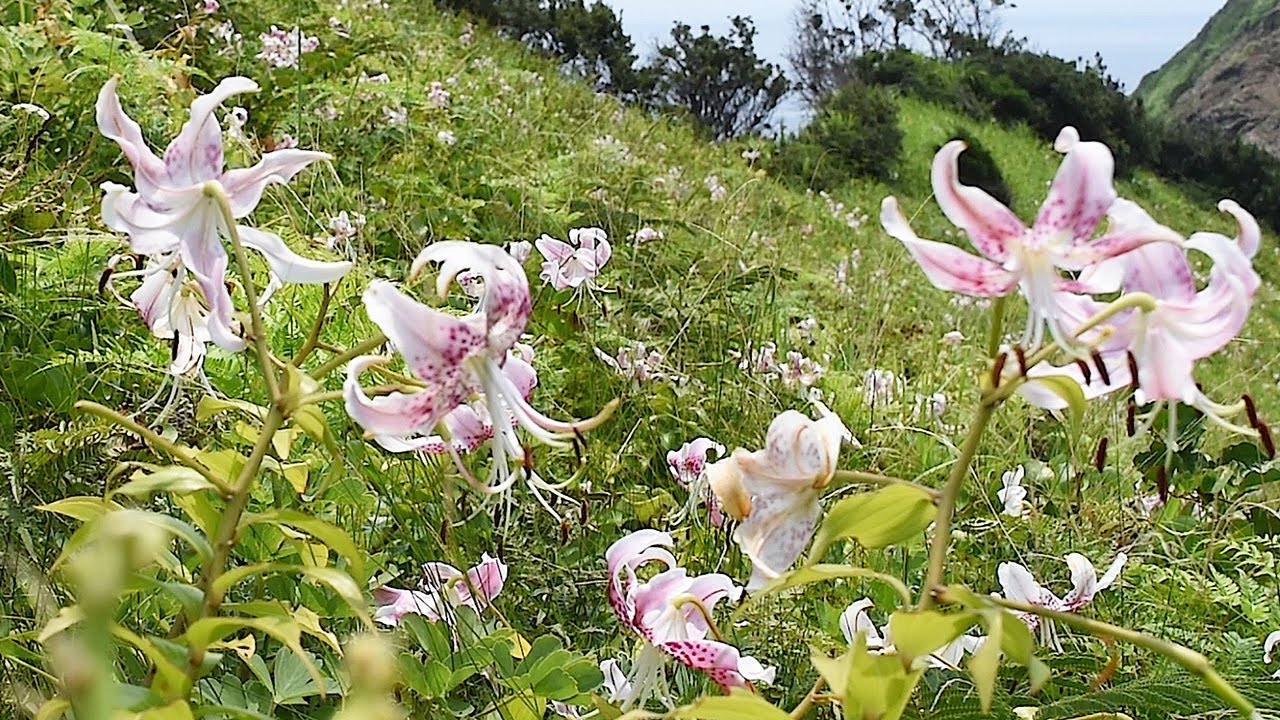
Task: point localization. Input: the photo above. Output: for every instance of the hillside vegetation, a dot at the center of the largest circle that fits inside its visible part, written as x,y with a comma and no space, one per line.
442,130
1161,88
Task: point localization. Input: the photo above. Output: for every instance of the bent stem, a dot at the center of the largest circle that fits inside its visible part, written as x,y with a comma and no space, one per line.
1192,661
173,450
807,703
855,477
350,353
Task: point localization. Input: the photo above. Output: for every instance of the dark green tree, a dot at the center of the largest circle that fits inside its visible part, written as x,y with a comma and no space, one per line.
720,81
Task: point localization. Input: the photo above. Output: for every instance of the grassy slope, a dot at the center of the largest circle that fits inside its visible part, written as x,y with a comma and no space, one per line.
530,159
1161,88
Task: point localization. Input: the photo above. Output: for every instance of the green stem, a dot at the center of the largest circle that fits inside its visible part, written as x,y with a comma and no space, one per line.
807,703
997,326
214,191
229,526
856,477
343,357
947,505
1192,661
313,338
173,450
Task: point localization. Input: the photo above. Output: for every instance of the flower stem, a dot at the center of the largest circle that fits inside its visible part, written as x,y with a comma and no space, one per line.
997,326
1192,661
343,357
807,703
214,190
947,504
173,450
856,477
313,338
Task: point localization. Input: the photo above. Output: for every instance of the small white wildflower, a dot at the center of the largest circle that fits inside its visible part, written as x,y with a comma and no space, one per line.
446,137
646,234
396,117
438,96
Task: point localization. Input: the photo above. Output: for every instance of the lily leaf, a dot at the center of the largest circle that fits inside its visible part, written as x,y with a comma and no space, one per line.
887,516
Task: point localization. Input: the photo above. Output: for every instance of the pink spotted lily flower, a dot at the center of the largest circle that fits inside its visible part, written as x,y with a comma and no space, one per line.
1011,255
667,613
474,387
441,591
688,466
1186,325
571,264
773,493
1019,585
173,217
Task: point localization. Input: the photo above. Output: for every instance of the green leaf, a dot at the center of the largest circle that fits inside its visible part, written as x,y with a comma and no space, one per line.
1070,392
741,705
175,479
984,665
210,406
176,710
336,538
206,631
81,507
916,634
337,580
821,572
887,516
292,683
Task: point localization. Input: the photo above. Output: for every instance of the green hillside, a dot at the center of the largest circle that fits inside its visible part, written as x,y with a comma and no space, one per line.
439,130
1160,88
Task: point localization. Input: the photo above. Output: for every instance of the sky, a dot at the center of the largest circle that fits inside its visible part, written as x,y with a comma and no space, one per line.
1134,36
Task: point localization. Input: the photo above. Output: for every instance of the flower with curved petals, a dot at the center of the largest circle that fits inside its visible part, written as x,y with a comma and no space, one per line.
570,264
1019,585
670,613
1267,646
1012,493
855,619
175,210
459,359
1186,325
1013,255
688,466
773,492
442,589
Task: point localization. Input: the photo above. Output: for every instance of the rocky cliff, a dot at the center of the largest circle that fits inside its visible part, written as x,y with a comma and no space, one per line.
1228,77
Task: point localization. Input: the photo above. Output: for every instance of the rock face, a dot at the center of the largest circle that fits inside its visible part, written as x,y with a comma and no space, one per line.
1240,91
1228,77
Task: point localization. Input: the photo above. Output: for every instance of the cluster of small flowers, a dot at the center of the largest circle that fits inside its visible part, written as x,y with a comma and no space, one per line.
646,234
236,118
343,227
881,387
446,137
796,369
672,183
853,218
575,263
397,116
635,362
468,34
438,96
718,191
226,32
615,149
283,49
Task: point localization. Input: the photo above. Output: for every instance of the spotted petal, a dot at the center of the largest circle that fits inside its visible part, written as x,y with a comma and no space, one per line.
1080,195
720,661
991,226
244,186
195,155
947,267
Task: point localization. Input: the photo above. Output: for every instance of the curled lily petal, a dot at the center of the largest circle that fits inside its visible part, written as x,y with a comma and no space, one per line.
947,267
195,155
115,124
391,418
1080,195
244,186
505,304
989,224
484,582
288,265
722,662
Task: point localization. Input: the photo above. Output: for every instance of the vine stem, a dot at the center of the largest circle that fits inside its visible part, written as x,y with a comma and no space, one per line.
343,357
1192,661
850,477
172,449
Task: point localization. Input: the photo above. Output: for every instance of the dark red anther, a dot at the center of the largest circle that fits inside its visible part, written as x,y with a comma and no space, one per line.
564,531
104,279
1264,434
997,369
1100,457
444,532
1102,367
1133,370
1252,409
1162,484
1130,418
1022,359
1085,371
584,515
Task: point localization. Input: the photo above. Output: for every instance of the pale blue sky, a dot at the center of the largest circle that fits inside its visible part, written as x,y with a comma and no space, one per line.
1134,36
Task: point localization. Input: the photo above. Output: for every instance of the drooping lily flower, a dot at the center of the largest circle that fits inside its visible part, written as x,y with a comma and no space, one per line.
443,588
688,466
570,264
1012,255
459,359
174,211
1018,584
856,619
1012,493
773,493
1267,647
670,613
1186,325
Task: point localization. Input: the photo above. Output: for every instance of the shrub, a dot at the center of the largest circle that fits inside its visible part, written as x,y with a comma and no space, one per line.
978,168
854,133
